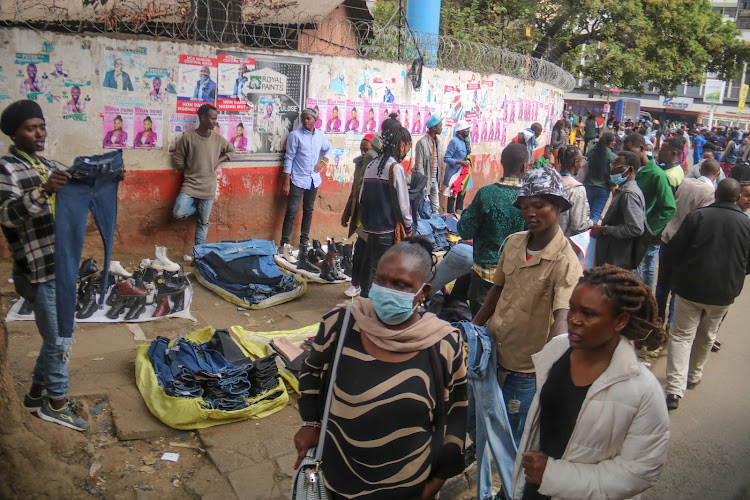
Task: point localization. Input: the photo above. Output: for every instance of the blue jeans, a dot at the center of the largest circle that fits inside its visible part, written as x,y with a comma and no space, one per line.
598,197
646,271
52,362
93,186
488,426
518,392
455,263
186,205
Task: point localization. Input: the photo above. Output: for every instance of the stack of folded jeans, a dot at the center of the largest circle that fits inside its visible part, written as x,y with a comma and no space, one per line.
191,371
436,230
245,269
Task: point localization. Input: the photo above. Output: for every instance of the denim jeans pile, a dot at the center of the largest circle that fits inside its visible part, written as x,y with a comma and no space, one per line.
190,370
436,230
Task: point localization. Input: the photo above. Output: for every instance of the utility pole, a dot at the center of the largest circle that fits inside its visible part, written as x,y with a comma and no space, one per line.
400,27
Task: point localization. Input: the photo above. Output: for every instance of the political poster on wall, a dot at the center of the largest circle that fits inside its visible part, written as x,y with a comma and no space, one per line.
476,131
179,123
385,110
233,78
334,123
118,127
196,83
417,126
76,101
275,91
158,84
371,117
354,116
320,106
31,70
240,132
148,126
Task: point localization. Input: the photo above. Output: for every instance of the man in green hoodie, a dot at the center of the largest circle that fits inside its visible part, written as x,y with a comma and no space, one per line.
660,204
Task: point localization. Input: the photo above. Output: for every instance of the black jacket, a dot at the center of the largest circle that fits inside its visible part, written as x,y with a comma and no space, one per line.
710,254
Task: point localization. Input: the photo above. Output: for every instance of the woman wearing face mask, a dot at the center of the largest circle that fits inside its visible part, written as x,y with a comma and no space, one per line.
384,199
598,428
624,222
397,422
598,183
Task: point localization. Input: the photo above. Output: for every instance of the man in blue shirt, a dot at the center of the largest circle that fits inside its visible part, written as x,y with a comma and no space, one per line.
301,178
205,89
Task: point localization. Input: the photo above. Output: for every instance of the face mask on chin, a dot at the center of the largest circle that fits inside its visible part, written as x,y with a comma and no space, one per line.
204,78
393,307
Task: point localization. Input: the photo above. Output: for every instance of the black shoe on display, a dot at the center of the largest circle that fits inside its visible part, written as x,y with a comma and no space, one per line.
304,265
170,285
88,269
178,301
119,307
347,262
114,296
326,272
87,300
26,308
139,305
319,252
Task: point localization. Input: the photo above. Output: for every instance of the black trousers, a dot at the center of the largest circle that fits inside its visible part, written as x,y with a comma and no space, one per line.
456,203
359,261
297,195
377,245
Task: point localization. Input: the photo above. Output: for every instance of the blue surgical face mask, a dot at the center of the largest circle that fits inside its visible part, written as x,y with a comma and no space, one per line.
392,306
650,154
618,178
204,78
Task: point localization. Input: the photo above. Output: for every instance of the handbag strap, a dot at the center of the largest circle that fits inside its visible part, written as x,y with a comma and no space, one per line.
332,381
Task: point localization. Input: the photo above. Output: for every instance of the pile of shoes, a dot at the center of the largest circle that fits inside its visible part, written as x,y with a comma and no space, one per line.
332,265
154,282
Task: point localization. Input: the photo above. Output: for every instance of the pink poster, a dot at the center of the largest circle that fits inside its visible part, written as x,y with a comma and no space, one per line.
240,132
148,126
397,107
476,131
118,127
334,121
407,116
485,128
371,117
385,110
320,106
354,116
492,134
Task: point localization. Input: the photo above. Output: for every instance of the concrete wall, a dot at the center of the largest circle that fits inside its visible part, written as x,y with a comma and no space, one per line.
248,203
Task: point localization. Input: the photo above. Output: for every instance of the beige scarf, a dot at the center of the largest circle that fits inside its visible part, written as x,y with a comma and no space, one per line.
423,334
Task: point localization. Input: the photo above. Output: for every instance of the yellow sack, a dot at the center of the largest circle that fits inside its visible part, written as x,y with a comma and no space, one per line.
193,413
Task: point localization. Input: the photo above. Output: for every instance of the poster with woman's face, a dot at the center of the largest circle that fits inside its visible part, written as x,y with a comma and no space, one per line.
417,125
148,128
476,131
240,132
118,127
321,107
385,110
334,117
371,117
354,116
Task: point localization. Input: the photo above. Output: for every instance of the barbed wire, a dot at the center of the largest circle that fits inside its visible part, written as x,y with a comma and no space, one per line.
279,24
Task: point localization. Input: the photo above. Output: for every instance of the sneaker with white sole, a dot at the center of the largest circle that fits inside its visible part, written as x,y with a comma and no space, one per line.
65,416
352,291
33,404
116,268
286,253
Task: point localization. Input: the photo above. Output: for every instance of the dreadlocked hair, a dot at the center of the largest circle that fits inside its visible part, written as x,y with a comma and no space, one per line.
393,138
567,155
628,294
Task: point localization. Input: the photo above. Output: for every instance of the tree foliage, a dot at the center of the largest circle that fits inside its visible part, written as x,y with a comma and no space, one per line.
625,43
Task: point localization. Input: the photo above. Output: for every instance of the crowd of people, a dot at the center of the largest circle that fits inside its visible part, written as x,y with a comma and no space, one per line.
585,419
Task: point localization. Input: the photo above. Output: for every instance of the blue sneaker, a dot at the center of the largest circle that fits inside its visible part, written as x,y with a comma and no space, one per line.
33,404
65,416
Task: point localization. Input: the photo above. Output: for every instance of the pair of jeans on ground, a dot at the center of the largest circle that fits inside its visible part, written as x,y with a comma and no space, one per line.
488,424
186,205
435,230
51,366
690,341
598,197
296,196
92,187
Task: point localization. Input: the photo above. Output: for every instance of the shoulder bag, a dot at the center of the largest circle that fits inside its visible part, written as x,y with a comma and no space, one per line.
309,482
400,232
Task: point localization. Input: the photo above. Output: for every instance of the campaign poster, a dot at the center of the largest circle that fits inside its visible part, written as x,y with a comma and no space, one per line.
233,78
502,131
476,131
222,125
396,107
371,117
158,84
407,116
385,110
240,132
471,116
353,116
148,127
32,74
427,112
123,72
118,127
179,123
75,102
196,83
334,122
492,125
418,123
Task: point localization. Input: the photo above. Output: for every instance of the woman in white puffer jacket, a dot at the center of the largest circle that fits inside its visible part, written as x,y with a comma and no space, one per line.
598,426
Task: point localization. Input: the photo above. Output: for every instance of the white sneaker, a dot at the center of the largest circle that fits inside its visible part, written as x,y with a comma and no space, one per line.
286,252
116,268
162,262
187,258
352,291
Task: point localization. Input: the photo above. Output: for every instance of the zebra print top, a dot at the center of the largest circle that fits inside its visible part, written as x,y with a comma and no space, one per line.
381,424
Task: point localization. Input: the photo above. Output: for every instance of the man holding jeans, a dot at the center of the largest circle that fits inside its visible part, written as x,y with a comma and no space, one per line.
307,152
28,184
199,152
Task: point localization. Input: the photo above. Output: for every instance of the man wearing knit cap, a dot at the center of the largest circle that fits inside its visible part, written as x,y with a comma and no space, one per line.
427,159
28,183
307,153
